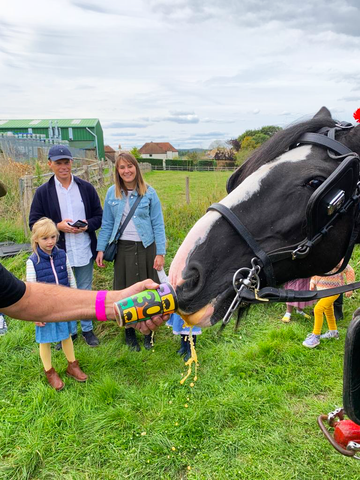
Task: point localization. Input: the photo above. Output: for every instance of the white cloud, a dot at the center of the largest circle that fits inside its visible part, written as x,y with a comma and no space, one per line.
179,71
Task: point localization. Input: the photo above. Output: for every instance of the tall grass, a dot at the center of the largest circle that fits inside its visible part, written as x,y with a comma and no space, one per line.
251,414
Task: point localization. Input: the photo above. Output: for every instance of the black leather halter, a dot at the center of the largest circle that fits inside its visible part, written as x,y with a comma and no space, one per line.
324,138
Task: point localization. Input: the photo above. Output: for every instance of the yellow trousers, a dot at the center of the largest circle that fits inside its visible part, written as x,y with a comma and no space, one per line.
325,305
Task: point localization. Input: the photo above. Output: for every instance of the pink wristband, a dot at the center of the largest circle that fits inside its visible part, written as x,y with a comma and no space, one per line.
100,311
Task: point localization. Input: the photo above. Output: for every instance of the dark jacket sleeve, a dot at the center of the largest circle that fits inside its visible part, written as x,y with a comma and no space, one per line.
94,210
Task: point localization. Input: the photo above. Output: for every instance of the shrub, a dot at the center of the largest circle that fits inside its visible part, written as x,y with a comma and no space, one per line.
179,163
152,161
207,163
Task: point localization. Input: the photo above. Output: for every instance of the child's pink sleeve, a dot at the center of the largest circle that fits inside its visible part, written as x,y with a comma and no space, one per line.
350,274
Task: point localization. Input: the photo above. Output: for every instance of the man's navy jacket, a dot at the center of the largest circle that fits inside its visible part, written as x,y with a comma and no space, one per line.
46,204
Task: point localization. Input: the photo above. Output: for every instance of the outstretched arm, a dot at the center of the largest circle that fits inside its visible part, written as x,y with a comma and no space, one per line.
53,303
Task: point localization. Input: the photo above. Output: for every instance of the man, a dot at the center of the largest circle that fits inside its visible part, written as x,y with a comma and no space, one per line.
44,302
40,302
66,199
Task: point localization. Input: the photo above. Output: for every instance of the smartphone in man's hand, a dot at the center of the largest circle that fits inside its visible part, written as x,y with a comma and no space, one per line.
78,224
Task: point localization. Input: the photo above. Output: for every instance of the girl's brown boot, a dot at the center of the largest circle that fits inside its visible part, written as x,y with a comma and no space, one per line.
54,379
73,370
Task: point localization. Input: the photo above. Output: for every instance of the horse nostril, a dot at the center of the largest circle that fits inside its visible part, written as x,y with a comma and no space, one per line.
194,280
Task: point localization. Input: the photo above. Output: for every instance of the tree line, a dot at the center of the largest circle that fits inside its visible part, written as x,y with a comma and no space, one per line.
235,151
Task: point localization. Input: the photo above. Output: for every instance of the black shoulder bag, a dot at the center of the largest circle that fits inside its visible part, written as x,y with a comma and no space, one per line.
111,248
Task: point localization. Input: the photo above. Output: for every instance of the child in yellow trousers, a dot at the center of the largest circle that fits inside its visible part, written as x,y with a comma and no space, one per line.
326,305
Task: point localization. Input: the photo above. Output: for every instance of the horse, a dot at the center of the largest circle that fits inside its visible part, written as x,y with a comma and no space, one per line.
283,217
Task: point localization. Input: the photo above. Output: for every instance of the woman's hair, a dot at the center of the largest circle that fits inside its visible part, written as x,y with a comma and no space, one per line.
42,228
140,187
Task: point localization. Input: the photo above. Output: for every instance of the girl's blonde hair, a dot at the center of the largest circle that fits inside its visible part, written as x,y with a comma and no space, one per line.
140,187
42,228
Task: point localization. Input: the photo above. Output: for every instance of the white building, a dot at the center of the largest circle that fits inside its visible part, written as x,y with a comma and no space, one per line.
161,150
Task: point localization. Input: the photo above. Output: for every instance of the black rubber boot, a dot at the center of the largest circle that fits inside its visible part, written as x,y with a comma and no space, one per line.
188,348
183,347
131,340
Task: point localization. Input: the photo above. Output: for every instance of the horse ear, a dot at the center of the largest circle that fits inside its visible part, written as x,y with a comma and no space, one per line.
323,112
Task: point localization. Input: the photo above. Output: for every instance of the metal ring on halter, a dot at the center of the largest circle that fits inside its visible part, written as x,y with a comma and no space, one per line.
252,282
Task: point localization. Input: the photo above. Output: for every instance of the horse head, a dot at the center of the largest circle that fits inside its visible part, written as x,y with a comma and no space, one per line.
270,193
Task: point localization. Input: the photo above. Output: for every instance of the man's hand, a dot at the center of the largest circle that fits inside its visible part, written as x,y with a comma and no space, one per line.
138,287
148,325
82,229
64,226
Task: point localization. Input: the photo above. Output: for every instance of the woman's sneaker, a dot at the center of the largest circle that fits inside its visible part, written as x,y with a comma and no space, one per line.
3,326
331,334
311,341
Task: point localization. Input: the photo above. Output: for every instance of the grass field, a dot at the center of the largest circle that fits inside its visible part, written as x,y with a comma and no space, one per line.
251,414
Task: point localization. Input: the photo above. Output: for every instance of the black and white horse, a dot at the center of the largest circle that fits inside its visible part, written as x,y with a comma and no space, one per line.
270,194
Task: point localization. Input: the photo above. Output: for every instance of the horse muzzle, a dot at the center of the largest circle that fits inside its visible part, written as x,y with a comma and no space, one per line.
201,318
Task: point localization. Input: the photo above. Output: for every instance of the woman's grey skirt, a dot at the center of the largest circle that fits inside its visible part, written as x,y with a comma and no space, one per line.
133,263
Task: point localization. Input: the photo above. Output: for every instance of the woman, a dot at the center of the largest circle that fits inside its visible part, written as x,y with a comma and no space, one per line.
141,248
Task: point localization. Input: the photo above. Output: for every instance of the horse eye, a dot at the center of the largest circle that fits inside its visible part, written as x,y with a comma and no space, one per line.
314,183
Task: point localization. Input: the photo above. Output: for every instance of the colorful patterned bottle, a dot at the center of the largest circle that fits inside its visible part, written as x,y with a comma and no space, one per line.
146,304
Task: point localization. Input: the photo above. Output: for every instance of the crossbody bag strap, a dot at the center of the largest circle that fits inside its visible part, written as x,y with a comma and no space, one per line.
127,219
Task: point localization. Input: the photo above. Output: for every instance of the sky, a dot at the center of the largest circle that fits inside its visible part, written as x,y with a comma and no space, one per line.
179,71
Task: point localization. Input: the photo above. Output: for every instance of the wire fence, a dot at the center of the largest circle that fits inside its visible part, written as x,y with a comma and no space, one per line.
26,149
193,168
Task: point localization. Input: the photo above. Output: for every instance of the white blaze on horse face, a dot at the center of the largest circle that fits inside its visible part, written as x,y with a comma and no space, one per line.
196,236
252,183
242,193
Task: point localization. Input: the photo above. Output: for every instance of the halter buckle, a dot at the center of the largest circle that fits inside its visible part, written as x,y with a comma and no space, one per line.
301,252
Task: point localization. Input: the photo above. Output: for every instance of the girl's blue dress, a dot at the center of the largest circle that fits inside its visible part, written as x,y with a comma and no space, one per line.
178,326
53,332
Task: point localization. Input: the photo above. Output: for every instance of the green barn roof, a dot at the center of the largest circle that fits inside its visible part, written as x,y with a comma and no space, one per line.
38,123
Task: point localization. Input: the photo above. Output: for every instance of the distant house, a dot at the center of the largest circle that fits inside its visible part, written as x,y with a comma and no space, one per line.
109,153
161,150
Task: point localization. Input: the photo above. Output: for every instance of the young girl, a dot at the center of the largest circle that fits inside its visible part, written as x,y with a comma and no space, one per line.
326,305
298,284
49,264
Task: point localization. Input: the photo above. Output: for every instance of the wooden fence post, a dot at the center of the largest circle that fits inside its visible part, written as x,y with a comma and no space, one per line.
187,190
101,173
111,172
26,196
86,173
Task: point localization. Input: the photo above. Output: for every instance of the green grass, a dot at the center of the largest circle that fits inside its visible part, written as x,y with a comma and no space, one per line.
251,414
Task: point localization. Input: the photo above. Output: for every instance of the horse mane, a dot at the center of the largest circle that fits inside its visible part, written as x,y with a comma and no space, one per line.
277,145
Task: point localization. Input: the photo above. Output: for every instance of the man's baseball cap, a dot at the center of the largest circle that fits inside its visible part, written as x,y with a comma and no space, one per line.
58,152
2,189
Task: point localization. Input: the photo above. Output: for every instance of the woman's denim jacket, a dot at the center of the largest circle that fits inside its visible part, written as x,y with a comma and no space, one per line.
148,219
